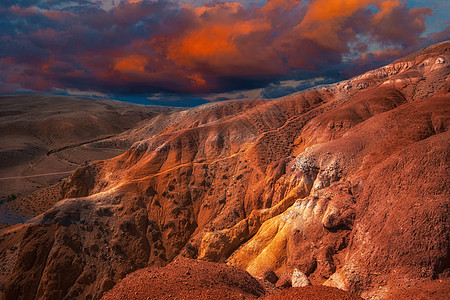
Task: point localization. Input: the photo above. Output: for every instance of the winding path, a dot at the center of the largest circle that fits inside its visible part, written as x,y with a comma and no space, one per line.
37,175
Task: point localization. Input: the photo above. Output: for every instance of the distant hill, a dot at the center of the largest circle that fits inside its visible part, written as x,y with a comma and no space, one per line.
47,134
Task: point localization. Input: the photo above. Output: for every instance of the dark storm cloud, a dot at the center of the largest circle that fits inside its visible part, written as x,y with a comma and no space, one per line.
141,47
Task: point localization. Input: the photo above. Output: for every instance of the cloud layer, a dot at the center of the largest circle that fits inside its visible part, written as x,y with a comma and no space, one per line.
145,47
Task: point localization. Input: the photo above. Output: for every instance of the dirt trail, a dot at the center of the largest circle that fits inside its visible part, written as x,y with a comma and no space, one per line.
37,175
78,144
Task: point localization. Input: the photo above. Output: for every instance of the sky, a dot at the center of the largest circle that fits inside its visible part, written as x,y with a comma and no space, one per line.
185,53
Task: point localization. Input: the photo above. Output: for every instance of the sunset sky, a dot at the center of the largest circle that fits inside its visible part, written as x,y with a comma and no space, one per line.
189,52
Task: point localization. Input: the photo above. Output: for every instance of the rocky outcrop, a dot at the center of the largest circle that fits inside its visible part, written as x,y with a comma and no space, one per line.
299,279
417,76
321,234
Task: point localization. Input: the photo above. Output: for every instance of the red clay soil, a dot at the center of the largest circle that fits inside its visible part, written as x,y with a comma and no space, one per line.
313,293
196,279
437,290
188,279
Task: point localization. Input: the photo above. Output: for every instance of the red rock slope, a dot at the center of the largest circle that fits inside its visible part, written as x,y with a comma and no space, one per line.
188,279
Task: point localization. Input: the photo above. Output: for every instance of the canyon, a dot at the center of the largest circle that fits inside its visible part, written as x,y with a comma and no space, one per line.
346,184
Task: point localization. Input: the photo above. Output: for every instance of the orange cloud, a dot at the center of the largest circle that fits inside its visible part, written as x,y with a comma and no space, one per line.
132,63
333,23
202,44
161,46
324,10
228,40
222,8
324,22
214,44
197,79
386,7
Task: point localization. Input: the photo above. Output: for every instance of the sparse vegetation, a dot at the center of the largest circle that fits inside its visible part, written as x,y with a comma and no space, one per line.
8,199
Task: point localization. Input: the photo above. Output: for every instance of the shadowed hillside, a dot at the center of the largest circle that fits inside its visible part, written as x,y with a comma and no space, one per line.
50,136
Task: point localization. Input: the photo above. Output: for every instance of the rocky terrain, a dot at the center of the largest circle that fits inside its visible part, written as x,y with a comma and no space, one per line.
345,186
182,278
